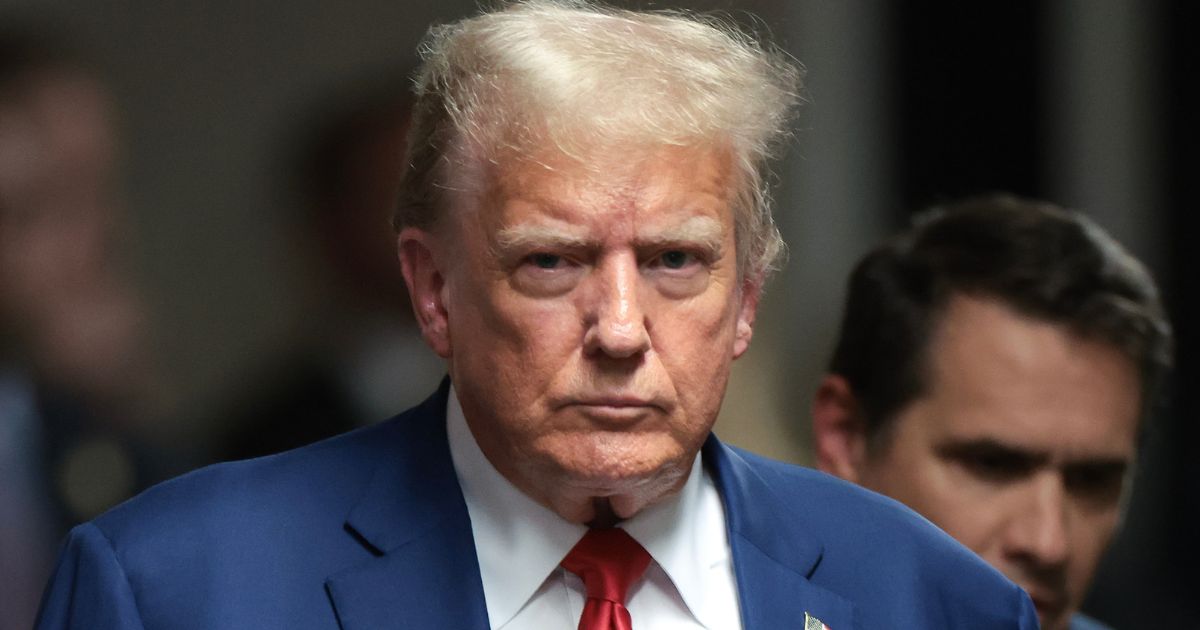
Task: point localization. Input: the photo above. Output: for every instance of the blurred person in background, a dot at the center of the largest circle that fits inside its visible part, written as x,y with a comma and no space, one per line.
70,355
358,357
995,369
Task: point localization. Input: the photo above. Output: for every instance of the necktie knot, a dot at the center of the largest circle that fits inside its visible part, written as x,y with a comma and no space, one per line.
608,561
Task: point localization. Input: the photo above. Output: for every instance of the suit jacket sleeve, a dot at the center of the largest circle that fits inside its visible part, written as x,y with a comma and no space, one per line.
89,589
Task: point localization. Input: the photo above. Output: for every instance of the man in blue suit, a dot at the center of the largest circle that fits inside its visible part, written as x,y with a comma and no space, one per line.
584,235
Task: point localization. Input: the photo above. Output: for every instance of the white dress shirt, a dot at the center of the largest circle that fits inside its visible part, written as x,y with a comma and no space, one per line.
689,584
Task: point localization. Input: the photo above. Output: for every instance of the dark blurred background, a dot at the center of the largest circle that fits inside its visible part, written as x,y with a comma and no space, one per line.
198,266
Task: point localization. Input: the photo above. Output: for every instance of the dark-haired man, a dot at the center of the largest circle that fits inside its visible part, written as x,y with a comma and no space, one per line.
993,371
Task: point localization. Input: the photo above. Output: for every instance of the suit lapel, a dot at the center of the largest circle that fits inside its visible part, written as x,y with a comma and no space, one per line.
424,574
774,556
412,517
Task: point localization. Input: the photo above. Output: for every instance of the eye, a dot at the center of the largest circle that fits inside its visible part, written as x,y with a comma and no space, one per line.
1101,481
545,274
545,261
991,462
679,272
675,259
997,467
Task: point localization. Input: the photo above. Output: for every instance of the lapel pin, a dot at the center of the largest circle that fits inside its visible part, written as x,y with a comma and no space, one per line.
812,623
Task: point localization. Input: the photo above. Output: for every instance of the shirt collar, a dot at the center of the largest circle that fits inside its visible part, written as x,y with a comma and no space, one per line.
520,542
685,535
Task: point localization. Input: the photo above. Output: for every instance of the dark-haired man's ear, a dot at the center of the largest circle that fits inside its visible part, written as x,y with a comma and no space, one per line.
839,433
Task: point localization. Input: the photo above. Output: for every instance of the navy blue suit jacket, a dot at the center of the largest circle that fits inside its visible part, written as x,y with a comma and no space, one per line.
369,530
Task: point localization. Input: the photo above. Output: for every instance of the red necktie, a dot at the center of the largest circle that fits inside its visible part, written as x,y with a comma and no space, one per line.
608,561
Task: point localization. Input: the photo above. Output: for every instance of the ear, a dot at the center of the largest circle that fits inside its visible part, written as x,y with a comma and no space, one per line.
751,292
426,287
839,434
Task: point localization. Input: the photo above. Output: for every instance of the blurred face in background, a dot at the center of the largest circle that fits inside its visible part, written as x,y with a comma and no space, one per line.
589,310
1020,448
62,298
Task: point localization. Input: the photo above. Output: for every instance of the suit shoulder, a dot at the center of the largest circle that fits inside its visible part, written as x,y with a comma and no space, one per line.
261,492
909,557
230,540
854,515
799,486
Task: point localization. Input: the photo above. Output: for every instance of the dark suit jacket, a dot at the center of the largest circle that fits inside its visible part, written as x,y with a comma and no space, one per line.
369,530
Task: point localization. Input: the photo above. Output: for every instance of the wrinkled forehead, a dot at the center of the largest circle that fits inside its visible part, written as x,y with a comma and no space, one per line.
611,174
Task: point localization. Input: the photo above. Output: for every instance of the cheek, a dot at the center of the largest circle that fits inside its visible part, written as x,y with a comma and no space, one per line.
695,346
1090,535
968,513
976,526
931,486
543,334
702,326
515,347
492,313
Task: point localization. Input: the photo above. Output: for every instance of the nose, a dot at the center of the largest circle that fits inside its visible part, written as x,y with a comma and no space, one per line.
616,325
1038,532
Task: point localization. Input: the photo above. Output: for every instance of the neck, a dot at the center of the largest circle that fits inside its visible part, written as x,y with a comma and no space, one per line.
604,516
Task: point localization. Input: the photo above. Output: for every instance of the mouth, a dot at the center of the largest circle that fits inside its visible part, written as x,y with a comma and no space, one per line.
615,402
615,409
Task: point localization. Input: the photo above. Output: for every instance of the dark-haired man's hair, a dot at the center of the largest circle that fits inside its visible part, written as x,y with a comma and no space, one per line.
1041,261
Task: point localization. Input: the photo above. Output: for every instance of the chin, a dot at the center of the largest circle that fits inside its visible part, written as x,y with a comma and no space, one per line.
624,464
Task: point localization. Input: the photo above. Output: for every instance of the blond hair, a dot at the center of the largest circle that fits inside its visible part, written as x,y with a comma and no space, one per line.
572,75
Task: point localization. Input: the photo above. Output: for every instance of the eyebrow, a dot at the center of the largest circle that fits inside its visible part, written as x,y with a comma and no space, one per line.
993,448
703,231
521,237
